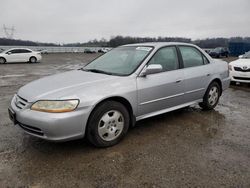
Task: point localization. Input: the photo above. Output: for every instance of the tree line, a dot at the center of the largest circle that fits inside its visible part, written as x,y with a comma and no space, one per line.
121,40
18,42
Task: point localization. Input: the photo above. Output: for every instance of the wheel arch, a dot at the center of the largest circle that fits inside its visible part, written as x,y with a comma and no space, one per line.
32,57
219,82
121,100
4,58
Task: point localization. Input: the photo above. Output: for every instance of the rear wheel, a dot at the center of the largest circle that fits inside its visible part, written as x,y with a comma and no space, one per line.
33,60
2,60
211,97
108,124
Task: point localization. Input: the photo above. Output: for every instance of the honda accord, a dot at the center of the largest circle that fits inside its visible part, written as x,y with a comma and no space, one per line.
132,82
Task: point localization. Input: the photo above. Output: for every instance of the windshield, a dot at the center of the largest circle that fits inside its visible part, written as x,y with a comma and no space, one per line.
4,51
119,61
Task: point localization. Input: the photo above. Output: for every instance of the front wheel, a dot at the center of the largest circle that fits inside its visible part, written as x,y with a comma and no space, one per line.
211,97
2,60
108,124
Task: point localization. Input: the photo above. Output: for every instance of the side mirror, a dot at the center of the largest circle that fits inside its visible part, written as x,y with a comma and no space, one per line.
8,53
151,69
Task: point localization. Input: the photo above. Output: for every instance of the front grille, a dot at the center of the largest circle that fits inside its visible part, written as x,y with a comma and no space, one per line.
20,102
241,78
31,129
241,69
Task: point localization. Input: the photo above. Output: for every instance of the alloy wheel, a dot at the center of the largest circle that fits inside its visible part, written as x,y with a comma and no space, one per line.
111,125
213,96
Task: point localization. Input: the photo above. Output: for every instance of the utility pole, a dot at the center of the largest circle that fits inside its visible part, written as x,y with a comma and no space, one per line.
9,31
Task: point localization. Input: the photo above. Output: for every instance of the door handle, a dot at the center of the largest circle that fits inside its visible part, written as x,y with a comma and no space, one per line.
208,74
178,81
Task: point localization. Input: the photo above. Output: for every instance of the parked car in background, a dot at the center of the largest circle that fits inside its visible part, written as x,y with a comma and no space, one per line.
19,55
89,51
240,69
44,51
219,52
130,83
245,55
104,50
207,50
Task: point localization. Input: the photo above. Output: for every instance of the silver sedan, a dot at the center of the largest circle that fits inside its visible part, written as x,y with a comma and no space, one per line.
107,96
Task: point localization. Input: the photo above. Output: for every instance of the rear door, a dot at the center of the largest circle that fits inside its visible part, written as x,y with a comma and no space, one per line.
161,90
197,72
24,55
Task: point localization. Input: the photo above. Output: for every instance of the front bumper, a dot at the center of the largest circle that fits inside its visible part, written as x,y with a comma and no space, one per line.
51,126
237,76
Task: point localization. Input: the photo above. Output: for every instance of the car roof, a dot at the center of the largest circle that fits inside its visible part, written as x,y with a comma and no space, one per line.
159,44
20,49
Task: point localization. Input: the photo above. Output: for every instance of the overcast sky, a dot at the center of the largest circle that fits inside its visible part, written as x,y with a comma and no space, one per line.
65,21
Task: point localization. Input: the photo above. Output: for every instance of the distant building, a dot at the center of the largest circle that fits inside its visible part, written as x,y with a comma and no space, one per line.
238,48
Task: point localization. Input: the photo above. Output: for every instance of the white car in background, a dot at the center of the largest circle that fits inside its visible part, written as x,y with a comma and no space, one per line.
240,69
19,55
104,50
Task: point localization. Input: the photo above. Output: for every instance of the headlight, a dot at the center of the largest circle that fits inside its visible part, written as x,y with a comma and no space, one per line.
55,106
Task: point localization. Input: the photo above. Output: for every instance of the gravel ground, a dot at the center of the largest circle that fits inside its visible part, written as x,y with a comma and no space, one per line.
184,148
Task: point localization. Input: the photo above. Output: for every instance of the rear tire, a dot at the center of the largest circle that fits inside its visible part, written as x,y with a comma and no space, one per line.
2,60
33,59
108,124
211,97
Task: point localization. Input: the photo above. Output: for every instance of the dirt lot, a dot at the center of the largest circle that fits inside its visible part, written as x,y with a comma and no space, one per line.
185,148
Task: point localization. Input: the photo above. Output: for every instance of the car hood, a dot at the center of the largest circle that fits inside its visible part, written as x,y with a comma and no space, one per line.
62,85
241,63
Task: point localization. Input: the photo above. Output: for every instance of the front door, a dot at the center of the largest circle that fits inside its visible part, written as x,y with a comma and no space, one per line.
13,55
161,90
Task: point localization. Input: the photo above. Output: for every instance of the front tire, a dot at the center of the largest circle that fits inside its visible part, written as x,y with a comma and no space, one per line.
2,60
108,124
33,60
211,97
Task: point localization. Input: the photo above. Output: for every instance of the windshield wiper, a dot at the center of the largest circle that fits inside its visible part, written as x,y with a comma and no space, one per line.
97,71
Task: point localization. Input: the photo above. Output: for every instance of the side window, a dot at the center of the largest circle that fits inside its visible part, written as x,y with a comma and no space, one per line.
167,58
24,51
14,51
191,56
18,51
